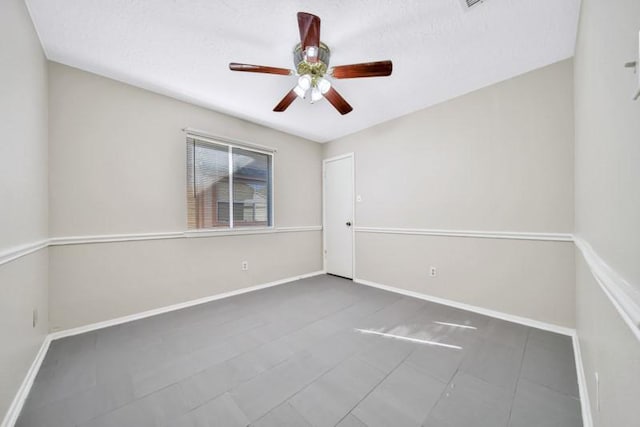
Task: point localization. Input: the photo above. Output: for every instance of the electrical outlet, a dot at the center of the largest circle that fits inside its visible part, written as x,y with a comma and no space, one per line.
433,272
34,317
245,265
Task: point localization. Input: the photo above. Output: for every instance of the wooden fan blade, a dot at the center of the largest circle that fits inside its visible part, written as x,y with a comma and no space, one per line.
286,101
338,101
367,69
234,66
309,26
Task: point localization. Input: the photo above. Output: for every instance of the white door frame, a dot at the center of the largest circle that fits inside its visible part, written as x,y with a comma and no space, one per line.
353,207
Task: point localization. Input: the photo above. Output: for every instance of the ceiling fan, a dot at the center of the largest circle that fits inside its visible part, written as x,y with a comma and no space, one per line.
311,61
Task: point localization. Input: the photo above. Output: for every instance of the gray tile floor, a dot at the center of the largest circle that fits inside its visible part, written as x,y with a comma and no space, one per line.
317,352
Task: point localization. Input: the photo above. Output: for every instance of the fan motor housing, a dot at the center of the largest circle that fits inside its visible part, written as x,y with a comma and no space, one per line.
316,69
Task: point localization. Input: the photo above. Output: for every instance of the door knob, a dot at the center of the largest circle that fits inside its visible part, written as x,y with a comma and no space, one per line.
348,223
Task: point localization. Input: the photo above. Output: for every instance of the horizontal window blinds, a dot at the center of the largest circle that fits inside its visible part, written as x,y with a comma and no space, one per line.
227,187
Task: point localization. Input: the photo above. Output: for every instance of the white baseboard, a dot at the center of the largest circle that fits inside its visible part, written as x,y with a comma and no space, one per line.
174,307
21,396
18,401
475,309
585,405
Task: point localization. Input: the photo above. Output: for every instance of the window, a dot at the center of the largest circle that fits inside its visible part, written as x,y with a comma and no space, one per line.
228,186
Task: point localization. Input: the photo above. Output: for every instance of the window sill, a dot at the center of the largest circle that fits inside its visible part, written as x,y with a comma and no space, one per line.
212,232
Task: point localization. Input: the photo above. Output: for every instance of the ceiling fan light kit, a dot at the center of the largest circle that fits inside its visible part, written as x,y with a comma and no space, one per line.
311,62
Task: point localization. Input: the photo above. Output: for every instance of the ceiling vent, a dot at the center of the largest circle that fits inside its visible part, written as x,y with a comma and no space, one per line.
468,4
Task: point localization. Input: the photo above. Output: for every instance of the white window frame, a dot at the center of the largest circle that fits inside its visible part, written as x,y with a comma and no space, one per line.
206,138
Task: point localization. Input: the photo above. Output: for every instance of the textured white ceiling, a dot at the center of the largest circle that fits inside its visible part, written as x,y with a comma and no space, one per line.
182,48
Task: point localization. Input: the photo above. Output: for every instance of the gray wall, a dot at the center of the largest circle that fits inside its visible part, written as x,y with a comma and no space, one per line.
498,159
607,173
23,194
117,165
97,282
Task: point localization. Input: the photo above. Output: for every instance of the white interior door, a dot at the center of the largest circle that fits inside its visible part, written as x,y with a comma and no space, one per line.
338,215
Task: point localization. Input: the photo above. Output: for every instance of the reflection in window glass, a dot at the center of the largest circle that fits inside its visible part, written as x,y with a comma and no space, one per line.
251,183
